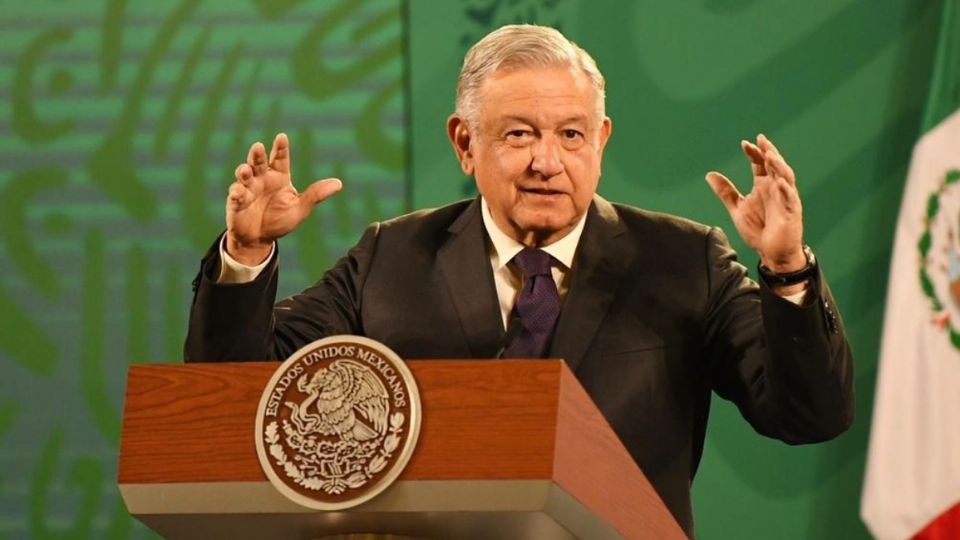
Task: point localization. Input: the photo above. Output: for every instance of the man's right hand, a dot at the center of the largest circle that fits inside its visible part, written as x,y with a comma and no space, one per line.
263,205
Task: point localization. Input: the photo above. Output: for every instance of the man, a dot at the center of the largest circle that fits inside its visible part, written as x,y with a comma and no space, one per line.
650,311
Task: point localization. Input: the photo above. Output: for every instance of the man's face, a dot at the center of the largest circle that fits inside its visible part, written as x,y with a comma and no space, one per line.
536,150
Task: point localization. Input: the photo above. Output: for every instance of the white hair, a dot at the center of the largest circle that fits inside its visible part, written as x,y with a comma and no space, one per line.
520,46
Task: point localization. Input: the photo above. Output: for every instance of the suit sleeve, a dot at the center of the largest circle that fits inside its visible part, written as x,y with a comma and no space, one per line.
788,368
238,322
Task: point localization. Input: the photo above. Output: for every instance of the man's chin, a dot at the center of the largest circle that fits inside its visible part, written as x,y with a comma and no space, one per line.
546,228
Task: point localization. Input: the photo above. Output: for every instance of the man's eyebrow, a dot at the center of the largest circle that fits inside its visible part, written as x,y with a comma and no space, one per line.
515,118
577,118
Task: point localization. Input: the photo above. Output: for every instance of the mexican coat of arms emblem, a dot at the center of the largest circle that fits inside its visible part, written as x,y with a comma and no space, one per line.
337,422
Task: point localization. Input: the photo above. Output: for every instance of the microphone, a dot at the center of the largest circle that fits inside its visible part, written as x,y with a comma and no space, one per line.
513,332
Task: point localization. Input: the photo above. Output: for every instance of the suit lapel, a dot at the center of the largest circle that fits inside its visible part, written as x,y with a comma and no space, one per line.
465,265
603,254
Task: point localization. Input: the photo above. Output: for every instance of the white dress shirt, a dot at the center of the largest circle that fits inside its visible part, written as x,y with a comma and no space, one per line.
507,277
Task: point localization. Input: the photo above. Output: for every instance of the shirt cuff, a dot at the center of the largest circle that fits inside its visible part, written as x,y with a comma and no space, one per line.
232,271
797,299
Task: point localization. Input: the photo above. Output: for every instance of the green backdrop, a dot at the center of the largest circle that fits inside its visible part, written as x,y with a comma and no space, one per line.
121,124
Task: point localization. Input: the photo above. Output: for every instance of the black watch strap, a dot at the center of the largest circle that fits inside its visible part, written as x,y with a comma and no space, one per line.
772,278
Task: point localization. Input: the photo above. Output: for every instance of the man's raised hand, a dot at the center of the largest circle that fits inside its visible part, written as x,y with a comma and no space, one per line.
770,217
263,205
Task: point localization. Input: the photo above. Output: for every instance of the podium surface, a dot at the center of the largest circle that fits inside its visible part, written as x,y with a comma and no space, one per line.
507,449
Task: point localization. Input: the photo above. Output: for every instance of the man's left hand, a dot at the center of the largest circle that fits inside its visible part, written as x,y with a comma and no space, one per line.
770,217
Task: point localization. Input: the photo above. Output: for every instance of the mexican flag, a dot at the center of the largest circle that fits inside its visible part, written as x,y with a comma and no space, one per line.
912,484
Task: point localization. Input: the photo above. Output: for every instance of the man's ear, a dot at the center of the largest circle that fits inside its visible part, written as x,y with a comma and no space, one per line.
459,133
606,130
603,136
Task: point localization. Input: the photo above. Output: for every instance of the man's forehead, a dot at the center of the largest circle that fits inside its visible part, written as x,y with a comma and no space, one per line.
532,81
563,93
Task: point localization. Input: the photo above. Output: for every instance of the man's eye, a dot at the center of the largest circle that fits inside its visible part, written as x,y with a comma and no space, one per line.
572,134
517,134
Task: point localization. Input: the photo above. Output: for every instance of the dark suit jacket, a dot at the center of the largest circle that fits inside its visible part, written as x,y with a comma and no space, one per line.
658,315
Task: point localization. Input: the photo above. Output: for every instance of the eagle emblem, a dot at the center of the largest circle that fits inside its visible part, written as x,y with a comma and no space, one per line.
334,420
939,247
336,395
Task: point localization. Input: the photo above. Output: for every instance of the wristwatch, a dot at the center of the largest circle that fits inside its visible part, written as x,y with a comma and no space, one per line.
773,279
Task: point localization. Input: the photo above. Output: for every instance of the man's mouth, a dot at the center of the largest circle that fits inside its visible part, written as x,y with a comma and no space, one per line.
541,191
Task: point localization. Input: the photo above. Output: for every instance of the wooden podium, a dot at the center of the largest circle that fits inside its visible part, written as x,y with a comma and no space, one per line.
508,449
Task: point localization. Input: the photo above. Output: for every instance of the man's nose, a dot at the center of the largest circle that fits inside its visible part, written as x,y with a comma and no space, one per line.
546,156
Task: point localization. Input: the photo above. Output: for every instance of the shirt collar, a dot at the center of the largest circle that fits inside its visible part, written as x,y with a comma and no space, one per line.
505,247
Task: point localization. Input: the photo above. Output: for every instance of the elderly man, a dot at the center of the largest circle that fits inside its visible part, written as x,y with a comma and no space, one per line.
652,312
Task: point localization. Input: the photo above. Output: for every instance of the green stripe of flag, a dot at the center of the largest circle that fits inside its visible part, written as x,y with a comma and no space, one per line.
944,96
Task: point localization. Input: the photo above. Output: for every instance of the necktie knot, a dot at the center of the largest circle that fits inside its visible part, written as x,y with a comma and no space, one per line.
533,262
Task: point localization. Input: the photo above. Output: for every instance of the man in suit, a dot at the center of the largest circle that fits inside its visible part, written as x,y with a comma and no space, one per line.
652,312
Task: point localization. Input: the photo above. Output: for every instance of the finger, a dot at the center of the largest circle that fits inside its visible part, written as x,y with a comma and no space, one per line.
778,166
237,196
766,144
318,191
755,155
280,153
789,196
244,174
725,190
257,158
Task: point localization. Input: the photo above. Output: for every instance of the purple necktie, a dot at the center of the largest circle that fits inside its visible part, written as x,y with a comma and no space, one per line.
538,305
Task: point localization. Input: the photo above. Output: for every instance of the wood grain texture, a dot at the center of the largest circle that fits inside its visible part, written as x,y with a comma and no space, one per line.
593,464
192,422
195,422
